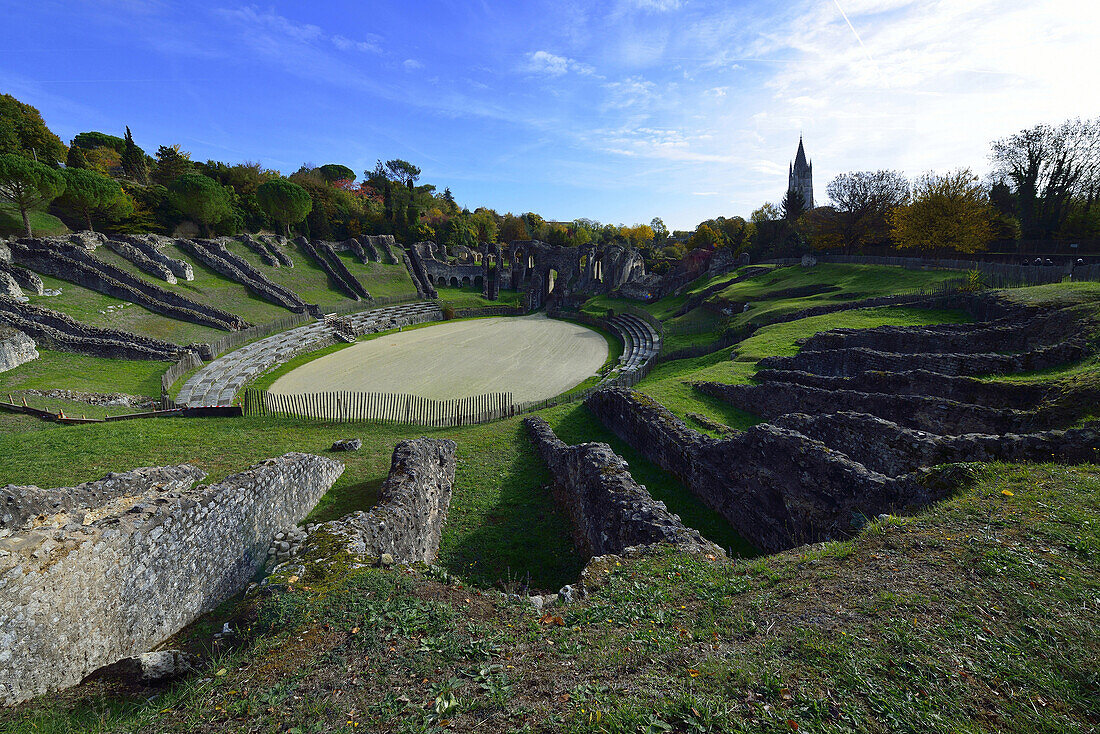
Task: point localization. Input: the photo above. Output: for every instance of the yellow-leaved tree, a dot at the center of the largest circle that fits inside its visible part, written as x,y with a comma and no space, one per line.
946,212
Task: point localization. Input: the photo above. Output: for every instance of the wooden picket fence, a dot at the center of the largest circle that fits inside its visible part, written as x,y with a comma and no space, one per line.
354,407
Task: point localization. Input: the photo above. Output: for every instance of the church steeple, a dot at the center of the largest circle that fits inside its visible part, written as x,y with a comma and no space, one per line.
800,176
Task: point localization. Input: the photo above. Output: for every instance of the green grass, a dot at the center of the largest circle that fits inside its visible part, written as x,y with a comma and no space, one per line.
768,301
667,383
976,615
42,224
68,371
470,297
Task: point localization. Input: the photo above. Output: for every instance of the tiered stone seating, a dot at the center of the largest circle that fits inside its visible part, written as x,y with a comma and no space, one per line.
219,382
641,341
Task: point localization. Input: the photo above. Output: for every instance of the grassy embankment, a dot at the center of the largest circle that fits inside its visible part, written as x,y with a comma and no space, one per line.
42,224
977,615
772,295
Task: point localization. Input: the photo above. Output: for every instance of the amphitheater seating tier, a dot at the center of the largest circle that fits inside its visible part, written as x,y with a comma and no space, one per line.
218,382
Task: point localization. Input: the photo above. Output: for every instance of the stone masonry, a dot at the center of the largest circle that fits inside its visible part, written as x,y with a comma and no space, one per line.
407,523
15,348
610,511
85,586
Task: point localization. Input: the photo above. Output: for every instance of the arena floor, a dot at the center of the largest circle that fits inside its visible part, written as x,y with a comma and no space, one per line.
532,357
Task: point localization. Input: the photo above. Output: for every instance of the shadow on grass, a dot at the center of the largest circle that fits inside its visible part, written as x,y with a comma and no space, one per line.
507,531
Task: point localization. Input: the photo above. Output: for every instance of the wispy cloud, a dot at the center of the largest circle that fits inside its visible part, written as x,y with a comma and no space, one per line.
544,62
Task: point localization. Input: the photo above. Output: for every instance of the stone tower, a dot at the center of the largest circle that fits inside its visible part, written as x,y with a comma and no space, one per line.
801,176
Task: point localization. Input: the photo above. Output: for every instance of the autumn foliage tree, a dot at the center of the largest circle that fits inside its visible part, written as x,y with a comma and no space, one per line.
947,212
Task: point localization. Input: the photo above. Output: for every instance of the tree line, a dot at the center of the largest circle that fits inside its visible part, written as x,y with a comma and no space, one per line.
1044,184
109,183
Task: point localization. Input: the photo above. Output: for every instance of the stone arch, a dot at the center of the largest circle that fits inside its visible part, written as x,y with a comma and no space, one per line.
466,281
479,281
454,281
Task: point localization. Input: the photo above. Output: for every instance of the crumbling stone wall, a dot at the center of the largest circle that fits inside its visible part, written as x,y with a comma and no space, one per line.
407,523
777,487
150,245
215,255
15,348
852,361
56,330
920,412
75,264
27,281
610,511
994,394
141,260
892,450
8,287
85,587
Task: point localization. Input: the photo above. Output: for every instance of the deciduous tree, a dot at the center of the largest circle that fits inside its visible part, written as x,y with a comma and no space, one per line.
28,184
23,132
862,202
1048,166
948,212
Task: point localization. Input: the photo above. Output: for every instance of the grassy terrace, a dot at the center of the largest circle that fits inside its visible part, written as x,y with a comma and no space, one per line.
305,278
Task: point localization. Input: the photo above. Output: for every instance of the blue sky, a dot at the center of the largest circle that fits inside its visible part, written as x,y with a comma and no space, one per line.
618,111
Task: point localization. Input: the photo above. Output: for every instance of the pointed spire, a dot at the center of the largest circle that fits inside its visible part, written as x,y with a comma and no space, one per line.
800,157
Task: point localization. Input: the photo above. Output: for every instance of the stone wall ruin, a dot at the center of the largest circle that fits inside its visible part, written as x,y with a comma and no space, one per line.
110,569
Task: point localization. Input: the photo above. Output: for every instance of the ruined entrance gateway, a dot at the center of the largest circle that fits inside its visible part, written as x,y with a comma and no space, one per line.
532,357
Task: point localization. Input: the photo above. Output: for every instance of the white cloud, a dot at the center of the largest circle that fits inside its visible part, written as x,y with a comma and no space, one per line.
544,62
412,65
346,44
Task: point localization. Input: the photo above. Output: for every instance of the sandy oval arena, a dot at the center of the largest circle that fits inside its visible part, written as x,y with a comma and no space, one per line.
532,357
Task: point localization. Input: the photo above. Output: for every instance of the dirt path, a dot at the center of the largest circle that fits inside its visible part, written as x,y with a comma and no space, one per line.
533,357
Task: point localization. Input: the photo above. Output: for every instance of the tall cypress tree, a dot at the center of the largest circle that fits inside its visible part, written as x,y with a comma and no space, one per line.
133,161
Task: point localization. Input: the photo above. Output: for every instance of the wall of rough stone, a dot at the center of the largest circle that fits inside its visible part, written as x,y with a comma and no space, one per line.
215,255
777,487
56,330
75,264
919,412
8,287
27,281
78,595
150,244
141,260
892,450
15,348
609,510
407,523
994,394
1005,335
849,362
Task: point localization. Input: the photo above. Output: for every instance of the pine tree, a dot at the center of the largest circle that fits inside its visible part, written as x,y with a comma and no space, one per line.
133,161
793,205
75,158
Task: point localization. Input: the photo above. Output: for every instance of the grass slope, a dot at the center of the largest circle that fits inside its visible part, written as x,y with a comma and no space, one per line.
80,372
979,615
667,383
42,224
